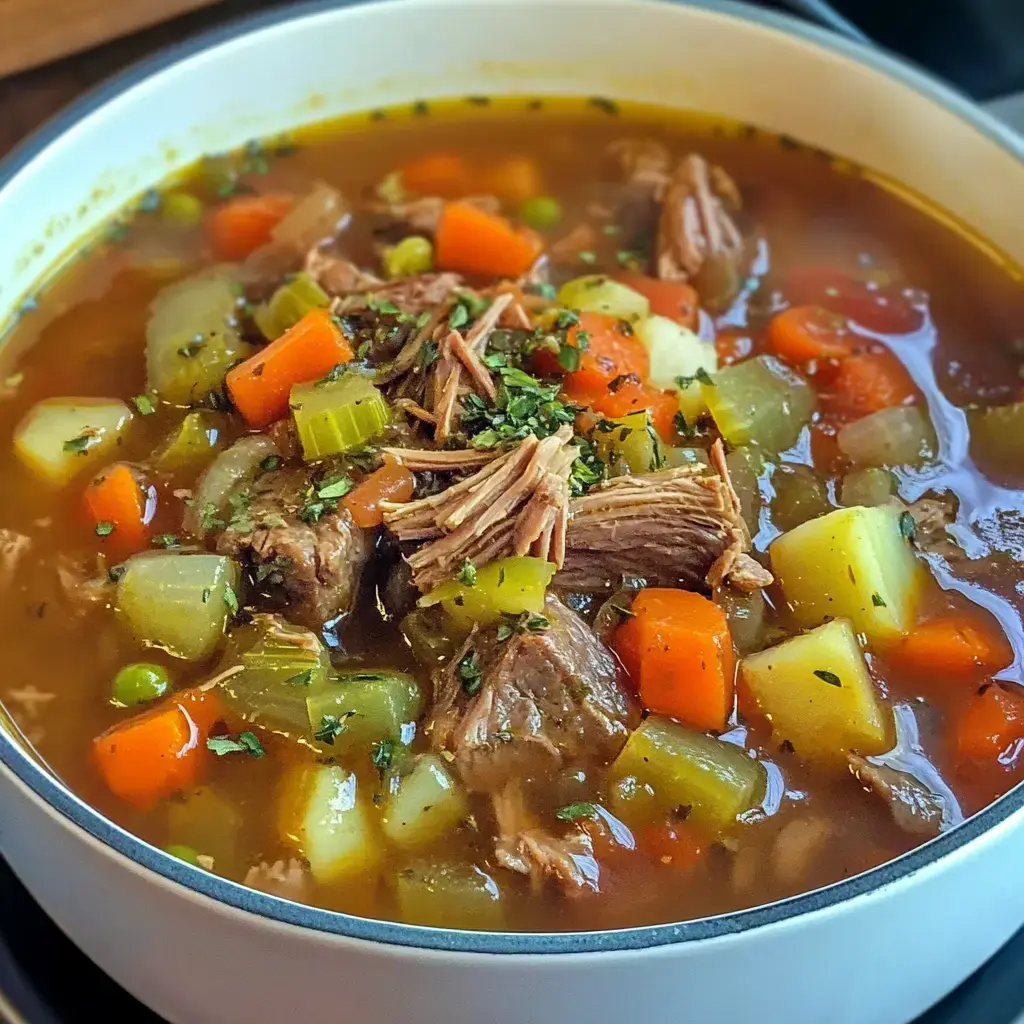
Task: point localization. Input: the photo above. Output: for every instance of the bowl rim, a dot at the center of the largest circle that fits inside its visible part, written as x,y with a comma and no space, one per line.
47,788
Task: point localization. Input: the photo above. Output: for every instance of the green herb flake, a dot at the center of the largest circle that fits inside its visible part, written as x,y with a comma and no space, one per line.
166,540
144,404
908,526
247,743
271,463
459,317
81,444
876,600
382,753
330,728
827,677
335,489
303,678
104,528
469,673
231,599
567,318
569,358
335,373
577,812
467,574
586,256
605,105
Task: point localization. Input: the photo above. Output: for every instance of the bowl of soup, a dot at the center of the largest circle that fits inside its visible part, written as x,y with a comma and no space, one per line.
514,513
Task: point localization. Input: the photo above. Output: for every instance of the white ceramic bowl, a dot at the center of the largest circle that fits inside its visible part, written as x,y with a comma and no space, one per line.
872,950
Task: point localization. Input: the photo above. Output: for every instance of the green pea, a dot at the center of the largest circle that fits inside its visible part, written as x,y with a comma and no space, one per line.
183,852
139,684
541,213
182,209
412,255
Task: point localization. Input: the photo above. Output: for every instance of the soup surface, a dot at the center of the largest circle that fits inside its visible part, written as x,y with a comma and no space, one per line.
529,515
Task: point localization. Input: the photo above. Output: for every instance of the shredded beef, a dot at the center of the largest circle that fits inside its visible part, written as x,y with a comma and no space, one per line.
543,698
289,881
308,570
337,275
674,528
568,861
643,164
915,808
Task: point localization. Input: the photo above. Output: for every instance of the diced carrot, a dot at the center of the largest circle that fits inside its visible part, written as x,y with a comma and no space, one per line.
672,843
686,660
868,382
158,753
957,647
515,180
607,352
627,647
732,346
471,241
438,174
618,400
117,511
392,482
260,386
991,726
243,224
673,299
804,333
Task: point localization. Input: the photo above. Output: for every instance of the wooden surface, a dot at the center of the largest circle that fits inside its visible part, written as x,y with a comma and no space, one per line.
38,31
32,97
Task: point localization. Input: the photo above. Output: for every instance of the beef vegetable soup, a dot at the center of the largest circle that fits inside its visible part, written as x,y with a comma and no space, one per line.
520,514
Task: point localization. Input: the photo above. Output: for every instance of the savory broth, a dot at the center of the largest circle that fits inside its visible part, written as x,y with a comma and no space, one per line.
816,232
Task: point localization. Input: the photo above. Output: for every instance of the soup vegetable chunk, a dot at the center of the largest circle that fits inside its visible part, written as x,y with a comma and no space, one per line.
521,515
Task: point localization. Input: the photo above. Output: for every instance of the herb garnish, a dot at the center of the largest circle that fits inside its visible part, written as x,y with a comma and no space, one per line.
577,812
331,727
166,540
144,404
876,600
908,526
701,375
231,599
335,373
586,256
569,358
525,622
80,445
303,678
827,677
271,463
467,574
104,528
247,743
382,753
469,673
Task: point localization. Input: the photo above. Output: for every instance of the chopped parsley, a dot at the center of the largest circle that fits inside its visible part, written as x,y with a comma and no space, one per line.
382,753
701,376
428,354
271,463
80,445
247,743
566,318
469,673
908,526
231,599
876,600
459,317
104,528
330,728
303,678
166,540
827,677
209,519
569,358
630,259
586,256
335,489
467,574
577,812
144,404
526,622
335,373
116,573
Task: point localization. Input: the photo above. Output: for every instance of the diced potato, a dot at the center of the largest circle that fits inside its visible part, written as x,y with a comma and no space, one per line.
449,895
178,602
629,444
675,351
760,401
428,803
192,444
816,691
871,486
322,812
508,586
684,768
60,437
598,294
852,563
367,705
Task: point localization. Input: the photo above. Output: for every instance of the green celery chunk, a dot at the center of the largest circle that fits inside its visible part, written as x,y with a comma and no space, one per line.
679,767
628,445
997,437
282,666
800,494
289,304
197,437
900,436
871,486
430,642
361,707
746,464
193,339
337,416
178,602
449,895
760,401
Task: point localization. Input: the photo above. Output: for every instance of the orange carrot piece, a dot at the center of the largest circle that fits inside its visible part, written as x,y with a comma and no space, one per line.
116,508
956,646
687,665
471,241
607,353
515,180
992,724
803,333
629,396
672,843
243,224
626,646
673,299
152,756
731,346
869,382
438,174
260,386
392,482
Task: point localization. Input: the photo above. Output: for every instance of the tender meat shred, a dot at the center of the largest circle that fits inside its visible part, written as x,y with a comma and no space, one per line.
517,504
290,881
697,239
674,528
932,517
915,808
544,698
285,435
82,587
799,843
644,163
421,460
337,275
309,571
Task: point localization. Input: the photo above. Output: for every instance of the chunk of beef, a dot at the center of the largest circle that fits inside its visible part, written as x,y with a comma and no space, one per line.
915,808
337,275
697,239
515,707
308,570
643,164
674,528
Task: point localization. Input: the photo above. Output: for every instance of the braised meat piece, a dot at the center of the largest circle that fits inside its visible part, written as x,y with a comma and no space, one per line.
509,708
673,528
303,558
915,808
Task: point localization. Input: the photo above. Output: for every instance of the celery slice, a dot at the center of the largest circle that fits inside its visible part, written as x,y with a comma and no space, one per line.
628,444
289,304
361,707
448,894
337,416
190,446
596,293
